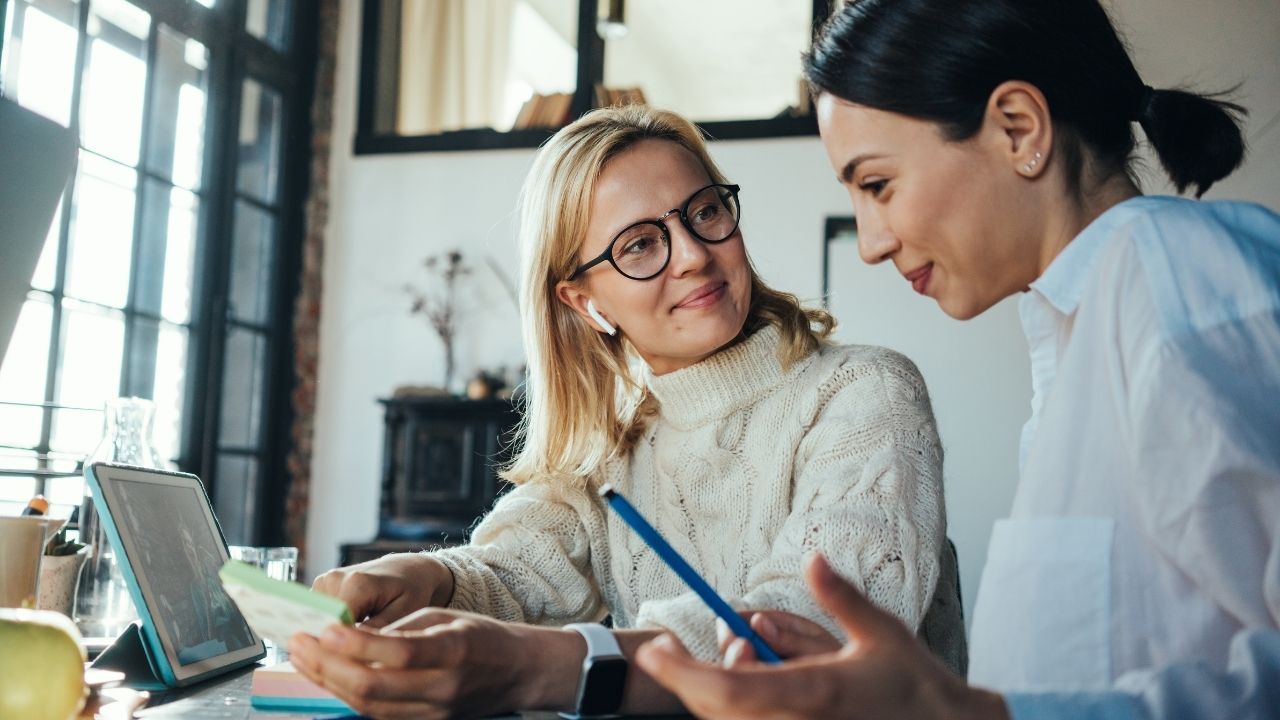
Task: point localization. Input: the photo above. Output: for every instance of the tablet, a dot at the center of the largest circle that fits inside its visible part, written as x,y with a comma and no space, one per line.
162,524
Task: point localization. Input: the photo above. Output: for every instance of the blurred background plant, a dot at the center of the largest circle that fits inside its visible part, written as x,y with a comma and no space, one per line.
438,302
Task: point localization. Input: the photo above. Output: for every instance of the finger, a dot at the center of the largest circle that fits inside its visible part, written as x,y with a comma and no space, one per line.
402,710
302,650
421,649
739,653
724,636
389,614
751,691
793,636
358,683
360,591
421,619
328,582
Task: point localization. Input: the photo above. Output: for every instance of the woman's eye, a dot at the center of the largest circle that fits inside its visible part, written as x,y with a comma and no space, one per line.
705,213
638,246
874,187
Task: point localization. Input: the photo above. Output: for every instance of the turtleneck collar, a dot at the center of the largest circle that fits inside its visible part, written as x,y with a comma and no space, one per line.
725,382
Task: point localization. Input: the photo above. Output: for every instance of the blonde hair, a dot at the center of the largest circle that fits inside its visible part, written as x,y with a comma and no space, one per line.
582,401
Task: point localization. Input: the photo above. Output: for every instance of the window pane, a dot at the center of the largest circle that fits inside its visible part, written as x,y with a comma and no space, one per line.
43,279
235,495
41,61
89,373
259,141
177,124
15,492
22,377
63,493
114,80
251,262
101,232
748,73
267,20
166,256
242,388
170,390
157,371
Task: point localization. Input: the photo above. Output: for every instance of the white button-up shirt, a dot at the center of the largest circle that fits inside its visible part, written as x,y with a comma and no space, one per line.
1139,572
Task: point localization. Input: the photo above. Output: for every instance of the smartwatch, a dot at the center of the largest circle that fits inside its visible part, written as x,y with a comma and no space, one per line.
604,671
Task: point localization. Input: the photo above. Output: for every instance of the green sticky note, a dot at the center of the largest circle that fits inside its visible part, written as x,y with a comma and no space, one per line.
276,609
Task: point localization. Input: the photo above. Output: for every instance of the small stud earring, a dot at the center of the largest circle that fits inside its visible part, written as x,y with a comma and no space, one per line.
1031,165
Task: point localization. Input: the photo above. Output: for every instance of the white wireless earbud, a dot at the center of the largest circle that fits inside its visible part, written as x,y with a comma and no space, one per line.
595,315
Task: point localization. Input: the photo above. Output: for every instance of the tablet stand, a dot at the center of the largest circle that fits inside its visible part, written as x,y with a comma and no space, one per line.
129,655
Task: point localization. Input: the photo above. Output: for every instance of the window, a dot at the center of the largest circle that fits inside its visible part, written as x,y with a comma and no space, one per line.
165,268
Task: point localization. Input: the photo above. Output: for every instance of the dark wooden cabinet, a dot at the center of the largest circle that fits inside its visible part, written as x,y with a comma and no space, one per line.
439,471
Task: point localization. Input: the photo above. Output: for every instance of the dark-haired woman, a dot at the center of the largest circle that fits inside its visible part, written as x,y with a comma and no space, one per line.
986,147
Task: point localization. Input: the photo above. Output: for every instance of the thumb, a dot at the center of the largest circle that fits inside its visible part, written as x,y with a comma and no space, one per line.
859,618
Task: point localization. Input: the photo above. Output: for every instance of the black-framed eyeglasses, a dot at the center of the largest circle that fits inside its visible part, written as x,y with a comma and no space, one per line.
642,250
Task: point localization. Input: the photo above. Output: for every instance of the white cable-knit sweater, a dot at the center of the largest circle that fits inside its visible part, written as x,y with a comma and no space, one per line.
747,469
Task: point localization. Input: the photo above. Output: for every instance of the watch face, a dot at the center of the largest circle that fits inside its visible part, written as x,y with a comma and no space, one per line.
602,685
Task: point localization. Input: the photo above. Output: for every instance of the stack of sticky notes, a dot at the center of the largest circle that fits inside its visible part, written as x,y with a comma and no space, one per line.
277,610
281,687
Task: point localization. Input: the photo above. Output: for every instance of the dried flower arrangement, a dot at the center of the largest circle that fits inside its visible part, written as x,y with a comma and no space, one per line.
439,302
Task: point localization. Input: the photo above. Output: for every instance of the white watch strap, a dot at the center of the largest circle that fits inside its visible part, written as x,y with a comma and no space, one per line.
600,640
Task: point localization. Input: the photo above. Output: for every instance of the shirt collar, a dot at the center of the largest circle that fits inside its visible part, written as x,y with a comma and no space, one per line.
1062,284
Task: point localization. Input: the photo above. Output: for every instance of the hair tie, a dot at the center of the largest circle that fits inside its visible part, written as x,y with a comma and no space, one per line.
1145,97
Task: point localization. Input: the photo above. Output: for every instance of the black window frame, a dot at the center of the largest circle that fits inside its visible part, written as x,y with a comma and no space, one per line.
234,56
591,49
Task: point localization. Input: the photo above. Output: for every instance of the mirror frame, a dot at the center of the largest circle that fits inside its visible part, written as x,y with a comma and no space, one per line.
591,49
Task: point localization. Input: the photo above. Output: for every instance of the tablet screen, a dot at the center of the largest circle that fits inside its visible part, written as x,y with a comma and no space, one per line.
172,546
181,557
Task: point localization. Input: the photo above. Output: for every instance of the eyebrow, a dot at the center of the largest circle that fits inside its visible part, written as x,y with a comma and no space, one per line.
845,175
654,218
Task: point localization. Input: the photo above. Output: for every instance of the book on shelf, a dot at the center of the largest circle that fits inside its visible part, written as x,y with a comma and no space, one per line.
612,97
544,111
554,110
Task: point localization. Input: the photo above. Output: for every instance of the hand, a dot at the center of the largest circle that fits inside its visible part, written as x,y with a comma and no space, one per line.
453,664
384,590
883,672
790,636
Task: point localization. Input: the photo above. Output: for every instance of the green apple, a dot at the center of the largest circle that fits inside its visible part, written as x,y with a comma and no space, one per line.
41,667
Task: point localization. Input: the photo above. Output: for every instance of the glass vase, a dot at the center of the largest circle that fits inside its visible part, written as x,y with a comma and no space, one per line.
103,607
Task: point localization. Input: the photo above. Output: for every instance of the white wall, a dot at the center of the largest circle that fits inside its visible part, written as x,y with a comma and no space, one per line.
388,212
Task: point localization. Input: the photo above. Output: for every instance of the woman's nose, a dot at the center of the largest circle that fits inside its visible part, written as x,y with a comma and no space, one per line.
688,253
875,242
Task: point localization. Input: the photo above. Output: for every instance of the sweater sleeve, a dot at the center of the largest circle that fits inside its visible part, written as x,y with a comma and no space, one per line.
529,559
867,493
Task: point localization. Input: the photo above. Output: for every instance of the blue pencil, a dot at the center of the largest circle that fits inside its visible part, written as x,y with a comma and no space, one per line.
691,578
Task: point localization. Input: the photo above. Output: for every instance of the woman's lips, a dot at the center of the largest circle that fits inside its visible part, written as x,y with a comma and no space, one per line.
704,296
919,278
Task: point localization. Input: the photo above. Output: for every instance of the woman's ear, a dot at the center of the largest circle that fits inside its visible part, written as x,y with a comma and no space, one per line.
577,300
1017,121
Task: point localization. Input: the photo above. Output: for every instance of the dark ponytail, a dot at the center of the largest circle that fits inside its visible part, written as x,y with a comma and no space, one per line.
1196,137
939,60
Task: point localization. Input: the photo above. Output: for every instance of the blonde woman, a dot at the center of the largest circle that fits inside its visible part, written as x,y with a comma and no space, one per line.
661,363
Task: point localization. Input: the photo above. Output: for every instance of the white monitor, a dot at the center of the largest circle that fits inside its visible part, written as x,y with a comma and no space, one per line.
37,157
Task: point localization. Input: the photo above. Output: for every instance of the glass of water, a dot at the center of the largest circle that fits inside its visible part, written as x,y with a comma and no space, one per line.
280,563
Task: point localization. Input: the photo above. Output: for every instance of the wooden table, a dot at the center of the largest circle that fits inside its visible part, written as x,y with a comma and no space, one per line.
227,698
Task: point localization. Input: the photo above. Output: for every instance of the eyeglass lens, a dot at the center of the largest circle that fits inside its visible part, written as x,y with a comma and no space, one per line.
641,251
